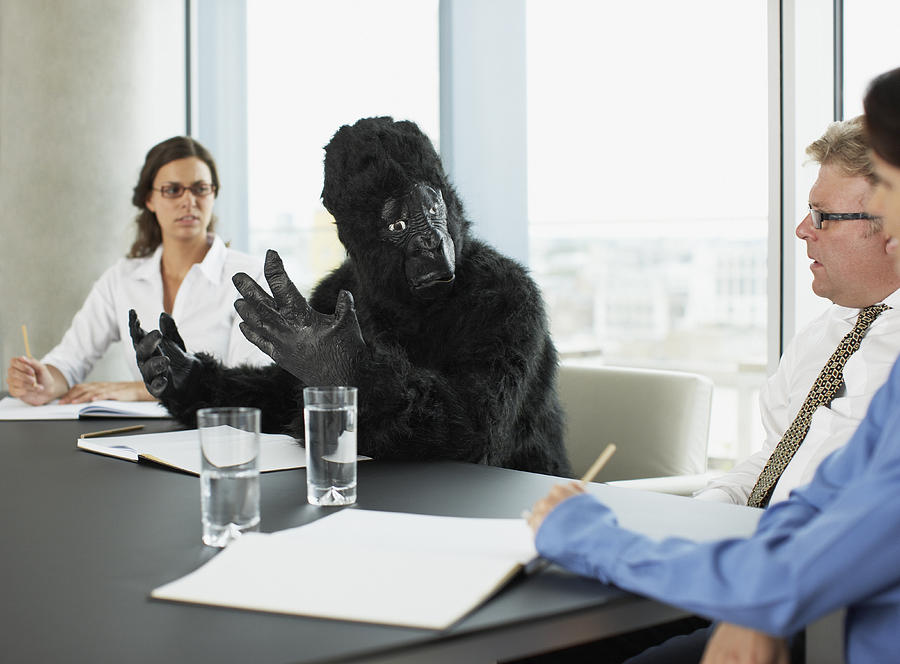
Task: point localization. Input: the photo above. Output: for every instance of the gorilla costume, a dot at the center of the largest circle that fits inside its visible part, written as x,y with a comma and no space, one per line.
446,339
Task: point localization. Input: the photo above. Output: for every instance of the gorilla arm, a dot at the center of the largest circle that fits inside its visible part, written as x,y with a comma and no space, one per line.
184,382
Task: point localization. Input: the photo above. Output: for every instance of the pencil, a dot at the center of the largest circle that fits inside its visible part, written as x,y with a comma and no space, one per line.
539,563
25,337
597,466
107,432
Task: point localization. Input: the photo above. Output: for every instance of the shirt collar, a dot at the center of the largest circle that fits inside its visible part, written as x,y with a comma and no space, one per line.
149,269
850,314
212,266
893,300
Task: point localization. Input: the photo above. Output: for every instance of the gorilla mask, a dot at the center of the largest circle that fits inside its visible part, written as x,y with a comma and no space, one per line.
417,224
396,213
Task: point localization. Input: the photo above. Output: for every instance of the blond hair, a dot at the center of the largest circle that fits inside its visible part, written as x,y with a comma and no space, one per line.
845,145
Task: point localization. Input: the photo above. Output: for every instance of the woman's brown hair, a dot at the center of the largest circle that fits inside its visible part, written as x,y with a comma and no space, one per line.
148,235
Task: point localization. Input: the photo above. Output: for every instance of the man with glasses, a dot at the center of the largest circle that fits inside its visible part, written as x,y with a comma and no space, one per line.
833,543
851,268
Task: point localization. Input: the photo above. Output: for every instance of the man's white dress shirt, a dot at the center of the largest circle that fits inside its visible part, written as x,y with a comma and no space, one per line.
203,310
783,395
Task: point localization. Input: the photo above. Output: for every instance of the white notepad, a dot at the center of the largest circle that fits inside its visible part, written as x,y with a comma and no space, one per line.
15,409
417,571
181,450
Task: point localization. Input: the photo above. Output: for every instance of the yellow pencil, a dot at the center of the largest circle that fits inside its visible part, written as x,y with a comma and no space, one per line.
539,563
597,466
25,337
110,431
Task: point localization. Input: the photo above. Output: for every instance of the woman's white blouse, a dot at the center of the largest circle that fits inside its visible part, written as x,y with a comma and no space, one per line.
203,310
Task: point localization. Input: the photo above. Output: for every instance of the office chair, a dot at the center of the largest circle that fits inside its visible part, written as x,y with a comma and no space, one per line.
659,421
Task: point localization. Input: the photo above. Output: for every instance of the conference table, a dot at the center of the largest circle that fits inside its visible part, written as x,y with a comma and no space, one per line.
87,537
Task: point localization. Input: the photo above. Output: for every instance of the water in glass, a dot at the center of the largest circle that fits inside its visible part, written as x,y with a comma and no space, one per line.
331,454
230,502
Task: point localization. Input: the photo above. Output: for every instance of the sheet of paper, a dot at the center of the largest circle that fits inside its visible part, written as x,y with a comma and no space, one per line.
417,570
15,409
181,449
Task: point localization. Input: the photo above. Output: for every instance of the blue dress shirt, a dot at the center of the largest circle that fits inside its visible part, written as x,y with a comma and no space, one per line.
834,543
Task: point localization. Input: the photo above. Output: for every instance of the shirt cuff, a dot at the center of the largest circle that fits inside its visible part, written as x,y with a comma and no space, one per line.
71,374
583,535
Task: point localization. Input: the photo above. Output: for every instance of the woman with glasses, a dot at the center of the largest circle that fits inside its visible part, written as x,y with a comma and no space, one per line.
176,264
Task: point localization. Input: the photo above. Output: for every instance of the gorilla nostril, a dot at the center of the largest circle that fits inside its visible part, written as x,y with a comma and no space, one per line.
425,241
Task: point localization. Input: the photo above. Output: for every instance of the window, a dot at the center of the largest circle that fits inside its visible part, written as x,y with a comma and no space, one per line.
870,47
311,67
648,201
650,155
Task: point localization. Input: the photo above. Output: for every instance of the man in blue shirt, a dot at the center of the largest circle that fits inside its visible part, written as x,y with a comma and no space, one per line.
834,543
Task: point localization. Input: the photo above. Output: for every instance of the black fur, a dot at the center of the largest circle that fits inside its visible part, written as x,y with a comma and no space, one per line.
469,375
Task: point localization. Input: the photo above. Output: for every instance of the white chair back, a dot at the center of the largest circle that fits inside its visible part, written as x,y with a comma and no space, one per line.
659,420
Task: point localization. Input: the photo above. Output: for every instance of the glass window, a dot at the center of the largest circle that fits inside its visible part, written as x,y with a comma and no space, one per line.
870,47
311,67
809,108
648,201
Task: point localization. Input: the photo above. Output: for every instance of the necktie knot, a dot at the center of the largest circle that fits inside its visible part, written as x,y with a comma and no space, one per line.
868,314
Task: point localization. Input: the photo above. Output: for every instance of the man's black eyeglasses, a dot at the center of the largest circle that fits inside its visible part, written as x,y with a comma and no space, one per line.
818,217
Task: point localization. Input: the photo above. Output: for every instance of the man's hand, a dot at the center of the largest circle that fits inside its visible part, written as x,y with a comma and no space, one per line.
162,359
733,644
545,505
318,349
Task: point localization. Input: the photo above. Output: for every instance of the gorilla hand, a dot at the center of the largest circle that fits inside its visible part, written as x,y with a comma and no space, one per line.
164,363
317,348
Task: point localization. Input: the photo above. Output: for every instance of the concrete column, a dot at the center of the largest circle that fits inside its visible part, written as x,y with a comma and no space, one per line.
86,88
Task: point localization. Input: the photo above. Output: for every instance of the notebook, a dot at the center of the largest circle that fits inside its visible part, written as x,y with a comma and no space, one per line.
181,450
15,409
420,571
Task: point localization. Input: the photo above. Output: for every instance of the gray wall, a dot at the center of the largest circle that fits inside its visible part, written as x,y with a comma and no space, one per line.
86,88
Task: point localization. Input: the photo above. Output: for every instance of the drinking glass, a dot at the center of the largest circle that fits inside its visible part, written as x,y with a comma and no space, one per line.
329,415
229,472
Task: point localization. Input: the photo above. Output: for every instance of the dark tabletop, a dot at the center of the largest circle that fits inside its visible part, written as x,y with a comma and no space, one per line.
87,538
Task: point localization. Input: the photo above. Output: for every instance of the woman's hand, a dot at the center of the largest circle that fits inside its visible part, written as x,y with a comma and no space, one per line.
733,644
545,505
33,382
123,391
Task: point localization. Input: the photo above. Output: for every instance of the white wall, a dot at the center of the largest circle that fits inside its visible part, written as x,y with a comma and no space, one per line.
86,88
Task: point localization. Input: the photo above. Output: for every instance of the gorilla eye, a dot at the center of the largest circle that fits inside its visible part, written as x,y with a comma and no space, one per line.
397,226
